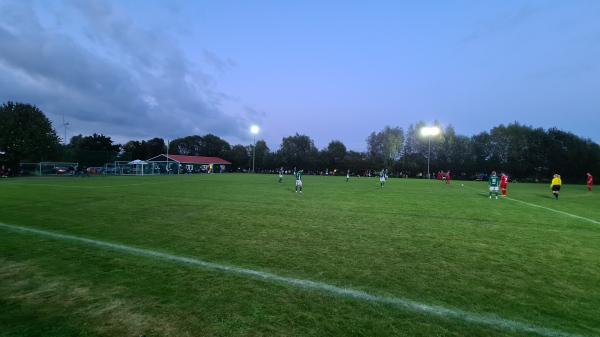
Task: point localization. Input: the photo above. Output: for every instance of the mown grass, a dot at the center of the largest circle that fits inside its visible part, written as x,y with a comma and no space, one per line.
421,240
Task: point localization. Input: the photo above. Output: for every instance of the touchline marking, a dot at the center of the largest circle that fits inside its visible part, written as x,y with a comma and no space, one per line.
556,211
543,207
83,186
434,310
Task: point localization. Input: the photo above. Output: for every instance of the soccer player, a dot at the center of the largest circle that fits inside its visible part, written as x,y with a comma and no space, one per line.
382,177
298,176
494,182
281,174
590,181
503,184
448,176
555,185
347,175
444,177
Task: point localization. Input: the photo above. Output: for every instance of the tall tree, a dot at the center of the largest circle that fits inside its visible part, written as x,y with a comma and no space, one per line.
262,151
26,135
94,150
415,143
334,155
393,141
299,151
154,147
208,145
385,147
238,156
188,146
213,146
375,147
444,150
142,149
481,153
132,150
357,162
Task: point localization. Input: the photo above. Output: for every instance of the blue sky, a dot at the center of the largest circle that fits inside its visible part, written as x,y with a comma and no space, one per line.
332,70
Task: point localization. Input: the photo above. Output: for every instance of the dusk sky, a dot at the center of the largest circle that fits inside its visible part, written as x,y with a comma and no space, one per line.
331,70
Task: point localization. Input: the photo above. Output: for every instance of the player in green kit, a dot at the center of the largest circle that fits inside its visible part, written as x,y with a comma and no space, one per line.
298,176
494,184
347,175
382,177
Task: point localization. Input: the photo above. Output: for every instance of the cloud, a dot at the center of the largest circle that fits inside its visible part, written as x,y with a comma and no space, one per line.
220,64
503,22
107,74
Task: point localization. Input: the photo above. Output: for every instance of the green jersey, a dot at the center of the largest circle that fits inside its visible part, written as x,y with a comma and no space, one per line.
494,181
298,175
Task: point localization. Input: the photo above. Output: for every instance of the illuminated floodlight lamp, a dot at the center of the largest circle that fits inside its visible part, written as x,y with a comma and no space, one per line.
429,131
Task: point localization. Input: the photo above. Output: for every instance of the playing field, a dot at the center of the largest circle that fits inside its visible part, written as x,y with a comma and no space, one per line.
242,255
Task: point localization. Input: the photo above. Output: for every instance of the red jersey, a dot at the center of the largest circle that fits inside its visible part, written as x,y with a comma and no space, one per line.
590,180
503,181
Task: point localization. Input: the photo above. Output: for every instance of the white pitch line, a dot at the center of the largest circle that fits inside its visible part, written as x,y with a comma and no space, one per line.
556,211
407,304
84,186
546,208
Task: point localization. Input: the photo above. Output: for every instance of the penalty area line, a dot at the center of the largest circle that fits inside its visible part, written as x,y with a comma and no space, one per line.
489,320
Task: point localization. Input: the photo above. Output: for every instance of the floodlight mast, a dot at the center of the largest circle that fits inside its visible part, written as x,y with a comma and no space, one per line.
167,166
65,125
429,131
254,129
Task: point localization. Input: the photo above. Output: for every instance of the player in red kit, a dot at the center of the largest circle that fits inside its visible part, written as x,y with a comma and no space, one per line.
448,178
503,184
590,181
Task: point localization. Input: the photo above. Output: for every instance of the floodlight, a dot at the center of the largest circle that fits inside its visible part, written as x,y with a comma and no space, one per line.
430,131
254,129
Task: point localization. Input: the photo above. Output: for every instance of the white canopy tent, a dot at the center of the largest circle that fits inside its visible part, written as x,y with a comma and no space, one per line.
138,162
138,166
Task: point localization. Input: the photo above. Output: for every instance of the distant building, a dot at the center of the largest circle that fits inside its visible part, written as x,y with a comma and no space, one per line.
193,164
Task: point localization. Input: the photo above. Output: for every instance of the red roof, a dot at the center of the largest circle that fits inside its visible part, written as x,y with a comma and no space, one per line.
198,160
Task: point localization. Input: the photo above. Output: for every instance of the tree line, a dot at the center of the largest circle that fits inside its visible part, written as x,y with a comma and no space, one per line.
524,152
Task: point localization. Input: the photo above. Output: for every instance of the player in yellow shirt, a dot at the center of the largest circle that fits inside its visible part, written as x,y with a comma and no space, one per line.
555,185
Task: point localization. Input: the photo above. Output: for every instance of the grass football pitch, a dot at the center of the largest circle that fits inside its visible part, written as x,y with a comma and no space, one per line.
242,255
